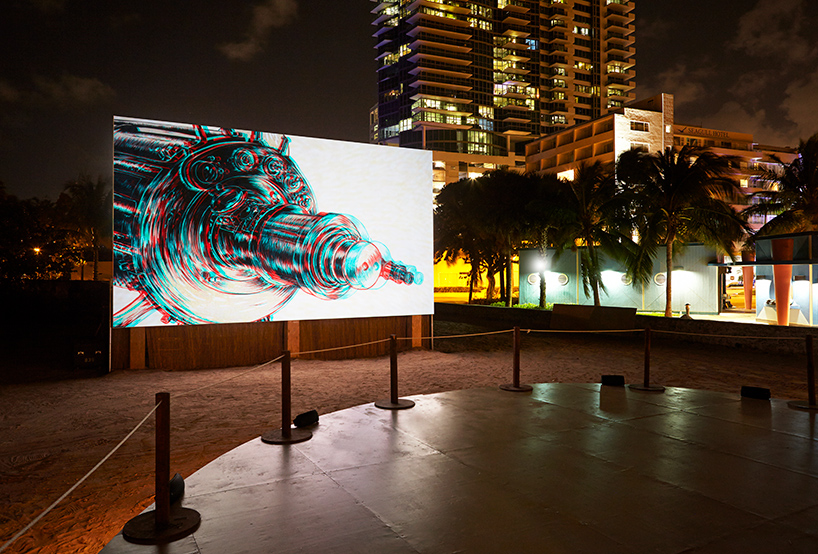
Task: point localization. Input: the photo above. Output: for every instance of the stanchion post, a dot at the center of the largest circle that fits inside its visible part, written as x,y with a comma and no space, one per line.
393,368
810,403
646,386
286,435
647,357
516,368
810,371
515,385
394,403
162,459
164,524
286,396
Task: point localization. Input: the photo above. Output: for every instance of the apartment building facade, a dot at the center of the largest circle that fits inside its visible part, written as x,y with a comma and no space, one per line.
476,80
649,125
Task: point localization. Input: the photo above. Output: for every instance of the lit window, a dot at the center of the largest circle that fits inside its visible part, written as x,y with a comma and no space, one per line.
639,126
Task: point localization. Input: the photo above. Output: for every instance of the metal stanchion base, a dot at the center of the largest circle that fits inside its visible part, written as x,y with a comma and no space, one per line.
401,404
276,436
516,388
649,388
802,405
143,530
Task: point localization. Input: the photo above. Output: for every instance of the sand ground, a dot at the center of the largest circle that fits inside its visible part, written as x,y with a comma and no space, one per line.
53,431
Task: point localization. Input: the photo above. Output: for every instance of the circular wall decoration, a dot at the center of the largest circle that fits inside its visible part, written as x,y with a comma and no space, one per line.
562,279
626,280
660,279
533,279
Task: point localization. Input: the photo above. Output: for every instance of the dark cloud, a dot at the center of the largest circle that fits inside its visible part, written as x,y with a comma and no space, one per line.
266,17
70,90
49,6
687,84
779,30
66,91
9,94
801,104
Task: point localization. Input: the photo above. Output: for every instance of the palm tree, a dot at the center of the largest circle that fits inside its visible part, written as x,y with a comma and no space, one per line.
679,197
86,209
599,220
547,220
793,198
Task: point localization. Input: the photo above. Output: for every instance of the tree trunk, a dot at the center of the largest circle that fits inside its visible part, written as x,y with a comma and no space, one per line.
592,272
668,274
509,280
502,283
542,248
95,245
490,286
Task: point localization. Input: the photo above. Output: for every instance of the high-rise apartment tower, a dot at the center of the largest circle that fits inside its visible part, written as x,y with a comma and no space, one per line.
483,77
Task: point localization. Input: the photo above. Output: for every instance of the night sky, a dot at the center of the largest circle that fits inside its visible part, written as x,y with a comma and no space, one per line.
306,67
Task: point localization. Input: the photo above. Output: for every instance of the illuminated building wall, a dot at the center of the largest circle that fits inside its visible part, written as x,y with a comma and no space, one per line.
481,78
694,281
646,125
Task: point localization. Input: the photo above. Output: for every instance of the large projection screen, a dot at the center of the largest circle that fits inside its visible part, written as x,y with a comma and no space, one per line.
215,225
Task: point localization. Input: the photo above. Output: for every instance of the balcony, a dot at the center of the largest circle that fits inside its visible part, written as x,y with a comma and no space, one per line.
437,21
516,70
430,41
626,61
512,93
620,80
517,31
621,49
513,104
620,6
516,6
512,55
515,45
450,7
426,78
617,23
436,29
512,19
457,113
440,55
445,70
443,96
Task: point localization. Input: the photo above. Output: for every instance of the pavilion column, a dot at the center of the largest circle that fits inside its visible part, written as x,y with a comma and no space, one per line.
747,277
782,250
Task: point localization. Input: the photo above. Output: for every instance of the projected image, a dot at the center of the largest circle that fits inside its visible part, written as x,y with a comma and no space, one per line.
216,225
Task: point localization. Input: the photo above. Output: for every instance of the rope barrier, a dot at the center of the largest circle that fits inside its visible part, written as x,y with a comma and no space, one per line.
727,336
463,336
259,366
78,483
340,347
590,331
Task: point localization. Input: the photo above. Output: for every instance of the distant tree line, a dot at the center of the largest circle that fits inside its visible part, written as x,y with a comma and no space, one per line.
41,239
625,212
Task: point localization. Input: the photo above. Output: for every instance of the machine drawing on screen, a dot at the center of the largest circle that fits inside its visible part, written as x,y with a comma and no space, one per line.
216,225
